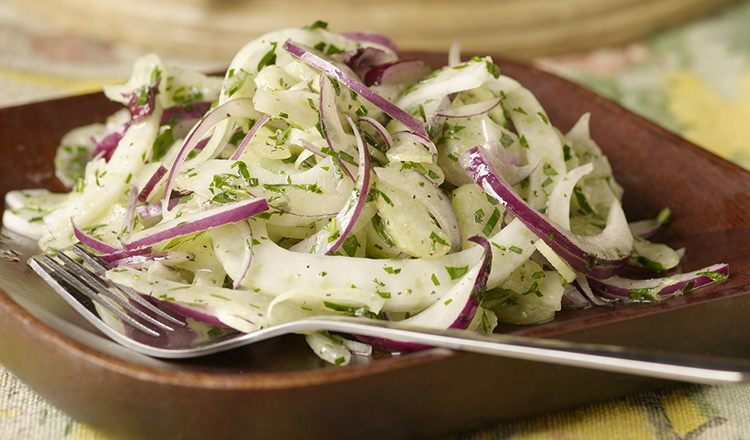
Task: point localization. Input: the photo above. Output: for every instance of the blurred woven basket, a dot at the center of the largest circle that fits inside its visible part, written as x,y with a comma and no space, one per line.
516,28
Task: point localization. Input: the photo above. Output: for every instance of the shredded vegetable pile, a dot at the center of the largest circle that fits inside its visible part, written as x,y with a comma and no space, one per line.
325,175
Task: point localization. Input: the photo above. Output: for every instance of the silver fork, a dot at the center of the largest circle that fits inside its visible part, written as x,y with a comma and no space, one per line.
148,329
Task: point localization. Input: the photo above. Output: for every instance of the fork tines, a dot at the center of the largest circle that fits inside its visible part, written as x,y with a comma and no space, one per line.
101,266
77,284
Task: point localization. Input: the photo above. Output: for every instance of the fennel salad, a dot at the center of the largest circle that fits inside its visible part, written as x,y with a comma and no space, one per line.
325,175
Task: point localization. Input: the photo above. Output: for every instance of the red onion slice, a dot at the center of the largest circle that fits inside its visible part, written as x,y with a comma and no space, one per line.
186,112
92,242
138,260
249,136
237,108
120,254
149,211
106,146
196,222
202,144
454,310
152,182
582,283
154,209
364,59
326,241
382,131
372,37
352,83
471,110
573,298
656,289
397,73
142,101
595,260
192,313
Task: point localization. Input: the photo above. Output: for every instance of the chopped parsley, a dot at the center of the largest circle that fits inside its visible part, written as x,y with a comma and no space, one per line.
336,87
375,193
357,311
716,277
581,199
492,69
456,272
341,155
350,245
478,216
437,239
332,50
377,222
688,287
506,141
435,280
653,265
640,295
281,187
566,152
663,216
450,131
591,263
524,142
491,222
317,25
269,58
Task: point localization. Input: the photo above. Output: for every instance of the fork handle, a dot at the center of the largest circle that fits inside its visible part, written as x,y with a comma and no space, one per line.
648,363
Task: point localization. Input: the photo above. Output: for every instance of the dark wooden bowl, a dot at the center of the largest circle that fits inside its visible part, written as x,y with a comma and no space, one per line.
279,389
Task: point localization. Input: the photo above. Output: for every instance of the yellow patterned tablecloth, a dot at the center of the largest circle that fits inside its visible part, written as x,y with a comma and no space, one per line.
694,80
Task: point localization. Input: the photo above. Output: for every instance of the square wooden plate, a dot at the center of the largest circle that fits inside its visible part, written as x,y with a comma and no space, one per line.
279,389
